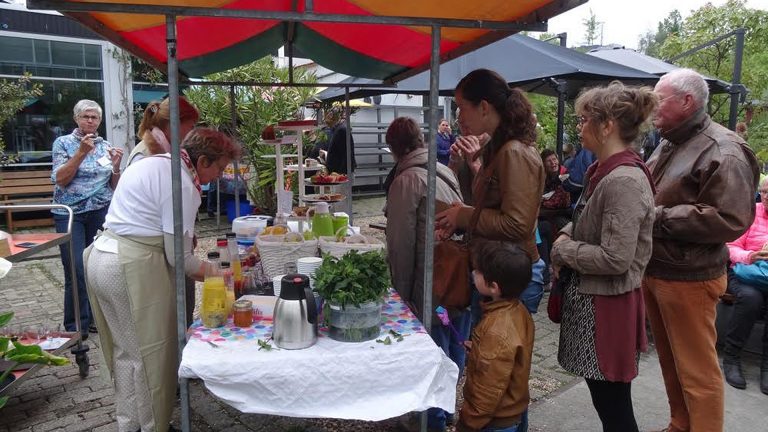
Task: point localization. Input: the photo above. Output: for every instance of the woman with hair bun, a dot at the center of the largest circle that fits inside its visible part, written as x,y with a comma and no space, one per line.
155,128
608,246
498,142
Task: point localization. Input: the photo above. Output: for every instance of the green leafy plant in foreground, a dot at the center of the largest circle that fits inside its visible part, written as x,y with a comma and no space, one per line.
353,279
18,353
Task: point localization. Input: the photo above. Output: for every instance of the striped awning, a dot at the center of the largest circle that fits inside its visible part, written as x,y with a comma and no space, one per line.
381,51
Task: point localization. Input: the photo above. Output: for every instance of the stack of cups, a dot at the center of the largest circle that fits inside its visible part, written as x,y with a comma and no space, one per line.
307,266
277,284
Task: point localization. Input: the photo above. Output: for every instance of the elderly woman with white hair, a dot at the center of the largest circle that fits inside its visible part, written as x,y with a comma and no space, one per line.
86,169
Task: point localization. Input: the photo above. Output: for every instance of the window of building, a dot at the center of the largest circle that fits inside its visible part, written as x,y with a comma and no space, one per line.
68,71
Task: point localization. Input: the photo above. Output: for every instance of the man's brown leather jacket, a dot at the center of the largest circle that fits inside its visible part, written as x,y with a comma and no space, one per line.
706,179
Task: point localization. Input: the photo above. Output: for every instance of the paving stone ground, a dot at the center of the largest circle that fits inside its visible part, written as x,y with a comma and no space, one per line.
57,399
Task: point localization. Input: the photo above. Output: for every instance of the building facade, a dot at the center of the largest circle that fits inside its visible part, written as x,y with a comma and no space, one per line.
71,63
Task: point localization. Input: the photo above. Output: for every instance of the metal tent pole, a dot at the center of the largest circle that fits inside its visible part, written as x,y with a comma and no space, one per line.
350,171
429,231
178,228
235,162
562,92
735,88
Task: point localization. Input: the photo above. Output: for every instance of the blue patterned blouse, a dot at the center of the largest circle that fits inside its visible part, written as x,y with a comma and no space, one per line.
89,189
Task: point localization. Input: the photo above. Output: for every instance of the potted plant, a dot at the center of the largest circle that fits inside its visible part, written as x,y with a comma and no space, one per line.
353,288
256,108
17,353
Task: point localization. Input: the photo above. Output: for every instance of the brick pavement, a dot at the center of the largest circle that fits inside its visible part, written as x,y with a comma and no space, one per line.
57,399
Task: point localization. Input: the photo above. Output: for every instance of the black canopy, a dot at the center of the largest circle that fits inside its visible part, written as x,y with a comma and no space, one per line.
652,65
524,62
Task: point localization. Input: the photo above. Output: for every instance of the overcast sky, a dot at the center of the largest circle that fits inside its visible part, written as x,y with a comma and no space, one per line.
625,21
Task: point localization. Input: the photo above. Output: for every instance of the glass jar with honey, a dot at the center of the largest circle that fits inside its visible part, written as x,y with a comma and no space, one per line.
243,313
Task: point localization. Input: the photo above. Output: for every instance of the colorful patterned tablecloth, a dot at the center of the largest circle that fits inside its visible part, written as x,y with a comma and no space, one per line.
395,316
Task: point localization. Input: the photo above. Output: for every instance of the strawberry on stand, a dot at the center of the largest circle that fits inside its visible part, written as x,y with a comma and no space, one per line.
323,178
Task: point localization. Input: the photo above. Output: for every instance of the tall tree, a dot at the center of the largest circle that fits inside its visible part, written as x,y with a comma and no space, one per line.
651,42
590,28
15,94
710,22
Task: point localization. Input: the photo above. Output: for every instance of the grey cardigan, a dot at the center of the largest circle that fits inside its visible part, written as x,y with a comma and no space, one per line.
610,244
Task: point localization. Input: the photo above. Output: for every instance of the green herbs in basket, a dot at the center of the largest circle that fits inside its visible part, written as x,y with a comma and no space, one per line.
353,279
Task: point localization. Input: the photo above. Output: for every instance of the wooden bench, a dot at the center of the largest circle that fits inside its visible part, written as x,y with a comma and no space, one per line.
26,187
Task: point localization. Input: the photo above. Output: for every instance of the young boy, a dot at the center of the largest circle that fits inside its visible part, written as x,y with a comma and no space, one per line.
496,391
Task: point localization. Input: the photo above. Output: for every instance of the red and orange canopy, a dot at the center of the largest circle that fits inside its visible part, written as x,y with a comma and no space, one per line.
211,44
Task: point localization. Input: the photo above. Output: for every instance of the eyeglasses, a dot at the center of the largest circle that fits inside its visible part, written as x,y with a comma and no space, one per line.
580,120
90,117
665,98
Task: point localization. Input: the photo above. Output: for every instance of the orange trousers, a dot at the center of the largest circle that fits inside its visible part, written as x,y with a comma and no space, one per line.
682,317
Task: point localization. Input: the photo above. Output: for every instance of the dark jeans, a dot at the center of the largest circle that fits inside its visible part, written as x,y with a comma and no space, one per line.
613,402
750,305
454,349
84,227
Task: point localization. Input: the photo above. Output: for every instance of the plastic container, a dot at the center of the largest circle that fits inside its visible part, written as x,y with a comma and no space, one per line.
322,222
340,220
213,310
246,228
245,208
353,323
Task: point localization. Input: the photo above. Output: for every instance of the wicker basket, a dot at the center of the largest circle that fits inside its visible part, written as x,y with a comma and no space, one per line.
338,249
276,253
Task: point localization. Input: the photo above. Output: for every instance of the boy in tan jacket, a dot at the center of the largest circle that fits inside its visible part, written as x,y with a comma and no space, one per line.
496,391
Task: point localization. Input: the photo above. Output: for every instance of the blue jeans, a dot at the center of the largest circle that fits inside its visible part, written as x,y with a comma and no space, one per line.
520,427
454,349
84,227
532,294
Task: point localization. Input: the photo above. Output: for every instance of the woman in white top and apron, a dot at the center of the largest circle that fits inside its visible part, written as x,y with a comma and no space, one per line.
129,272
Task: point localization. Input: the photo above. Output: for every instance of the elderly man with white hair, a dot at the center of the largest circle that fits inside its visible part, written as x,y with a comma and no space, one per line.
705,177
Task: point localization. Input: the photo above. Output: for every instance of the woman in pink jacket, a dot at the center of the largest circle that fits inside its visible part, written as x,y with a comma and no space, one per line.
751,301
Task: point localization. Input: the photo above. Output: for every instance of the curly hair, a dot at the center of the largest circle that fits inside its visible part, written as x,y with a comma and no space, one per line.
629,107
404,136
210,143
516,113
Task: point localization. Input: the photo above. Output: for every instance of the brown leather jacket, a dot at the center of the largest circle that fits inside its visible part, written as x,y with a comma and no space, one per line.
706,178
496,390
514,182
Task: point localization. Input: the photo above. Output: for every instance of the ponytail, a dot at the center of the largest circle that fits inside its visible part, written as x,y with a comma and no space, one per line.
515,111
148,121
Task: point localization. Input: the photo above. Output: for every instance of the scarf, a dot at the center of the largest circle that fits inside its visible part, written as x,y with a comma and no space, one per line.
191,168
597,171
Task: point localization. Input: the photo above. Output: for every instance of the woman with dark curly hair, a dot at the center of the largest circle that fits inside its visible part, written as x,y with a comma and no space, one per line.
499,145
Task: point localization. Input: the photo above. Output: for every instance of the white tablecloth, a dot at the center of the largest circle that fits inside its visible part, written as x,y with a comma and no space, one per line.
364,381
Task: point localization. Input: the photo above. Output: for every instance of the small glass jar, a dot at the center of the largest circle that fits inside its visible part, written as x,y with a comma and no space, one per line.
243,313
